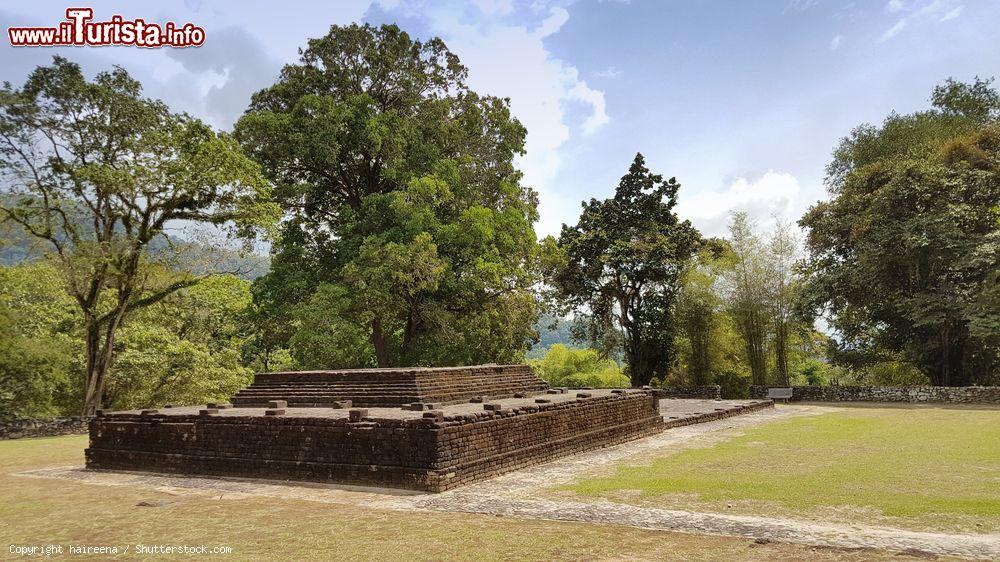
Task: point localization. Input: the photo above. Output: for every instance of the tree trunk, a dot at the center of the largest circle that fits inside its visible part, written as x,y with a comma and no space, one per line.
751,328
781,352
638,371
100,357
701,341
378,342
93,391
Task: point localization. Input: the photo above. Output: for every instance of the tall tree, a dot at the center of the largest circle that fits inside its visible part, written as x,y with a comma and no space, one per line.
409,236
699,306
619,267
749,293
98,172
785,286
904,255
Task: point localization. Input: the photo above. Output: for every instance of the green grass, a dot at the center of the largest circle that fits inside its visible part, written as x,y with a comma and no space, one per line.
937,468
39,511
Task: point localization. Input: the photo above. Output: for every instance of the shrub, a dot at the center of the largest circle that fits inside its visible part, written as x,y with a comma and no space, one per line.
565,366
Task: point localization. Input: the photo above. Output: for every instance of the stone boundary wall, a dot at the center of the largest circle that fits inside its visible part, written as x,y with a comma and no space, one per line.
18,429
707,392
915,394
433,453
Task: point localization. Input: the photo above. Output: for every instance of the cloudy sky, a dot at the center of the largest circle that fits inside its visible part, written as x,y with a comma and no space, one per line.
741,101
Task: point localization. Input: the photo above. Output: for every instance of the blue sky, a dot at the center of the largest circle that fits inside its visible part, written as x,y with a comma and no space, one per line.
741,101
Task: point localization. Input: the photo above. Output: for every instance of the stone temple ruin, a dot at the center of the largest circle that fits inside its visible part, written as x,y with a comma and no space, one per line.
418,428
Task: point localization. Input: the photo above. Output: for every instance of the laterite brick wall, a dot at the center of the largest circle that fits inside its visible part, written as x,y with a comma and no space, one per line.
474,451
390,387
432,453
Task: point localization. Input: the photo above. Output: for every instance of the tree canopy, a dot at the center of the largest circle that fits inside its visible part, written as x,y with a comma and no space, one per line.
98,172
904,256
408,237
620,265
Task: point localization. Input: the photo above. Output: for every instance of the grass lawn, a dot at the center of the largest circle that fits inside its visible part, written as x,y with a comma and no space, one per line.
39,511
923,468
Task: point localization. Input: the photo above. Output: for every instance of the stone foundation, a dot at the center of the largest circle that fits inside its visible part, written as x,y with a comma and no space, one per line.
431,450
916,394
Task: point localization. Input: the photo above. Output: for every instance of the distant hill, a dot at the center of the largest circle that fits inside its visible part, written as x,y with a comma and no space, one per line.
552,330
17,246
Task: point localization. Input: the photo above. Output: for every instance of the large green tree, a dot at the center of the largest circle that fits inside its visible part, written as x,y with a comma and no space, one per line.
904,256
97,172
699,311
749,294
619,268
408,236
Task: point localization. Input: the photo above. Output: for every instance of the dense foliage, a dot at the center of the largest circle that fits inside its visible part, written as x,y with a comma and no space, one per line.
619,268
97,172
578,368
904,256
185,349
408,238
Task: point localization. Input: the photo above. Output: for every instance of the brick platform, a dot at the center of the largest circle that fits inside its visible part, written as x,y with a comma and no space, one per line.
416,448
681,412
390,387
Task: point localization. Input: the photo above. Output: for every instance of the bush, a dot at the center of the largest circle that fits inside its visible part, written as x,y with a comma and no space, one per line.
565,366
893,373
812,372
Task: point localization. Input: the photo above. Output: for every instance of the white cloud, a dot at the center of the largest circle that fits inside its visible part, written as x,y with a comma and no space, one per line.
230,68
511,60
494,7
799,6
557,17
892,31
835,42
774,194
929,12
894,6
609,72
953,14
